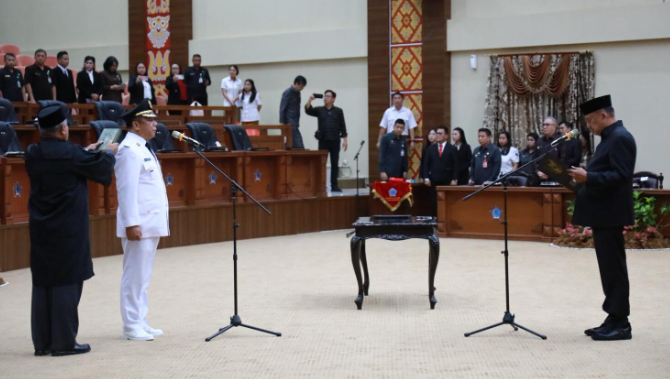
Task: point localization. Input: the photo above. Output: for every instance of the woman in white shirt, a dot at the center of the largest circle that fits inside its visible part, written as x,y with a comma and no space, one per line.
250,102
509,153
231,86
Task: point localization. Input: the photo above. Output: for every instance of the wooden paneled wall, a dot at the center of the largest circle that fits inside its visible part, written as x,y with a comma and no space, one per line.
206,224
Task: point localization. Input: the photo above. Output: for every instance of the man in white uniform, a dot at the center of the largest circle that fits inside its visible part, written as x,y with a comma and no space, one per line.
397,111
141,218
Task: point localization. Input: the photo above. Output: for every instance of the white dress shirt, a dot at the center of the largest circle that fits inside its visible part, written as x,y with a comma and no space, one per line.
232,88
508,161
147,89
392,114
90,76
249,109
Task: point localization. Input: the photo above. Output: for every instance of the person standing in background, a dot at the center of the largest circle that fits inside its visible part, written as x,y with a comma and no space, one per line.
89,82
289,109
508,153
464,155
250,102
393,160
39,79
397,111
428,141
112,82
485,160
570,151
64,80
231,86
197,80
12,86
140,86
331,128
441,165
176,88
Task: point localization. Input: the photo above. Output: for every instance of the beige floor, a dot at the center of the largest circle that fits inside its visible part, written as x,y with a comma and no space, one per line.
304,286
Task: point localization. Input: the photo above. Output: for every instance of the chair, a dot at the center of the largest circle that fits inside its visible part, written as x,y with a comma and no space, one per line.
51,61
25,60
9,141
204,134
7,113
518,181
110,110
238,137
46,103
648,180
99,125
162,142
10,49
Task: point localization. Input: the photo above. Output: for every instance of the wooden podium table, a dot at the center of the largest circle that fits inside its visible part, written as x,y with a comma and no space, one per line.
393,229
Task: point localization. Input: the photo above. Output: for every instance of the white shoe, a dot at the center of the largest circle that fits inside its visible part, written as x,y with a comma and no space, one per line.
152,331
138,335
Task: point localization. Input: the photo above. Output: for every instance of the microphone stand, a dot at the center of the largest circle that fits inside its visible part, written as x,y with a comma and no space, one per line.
356,159
508,317
235,320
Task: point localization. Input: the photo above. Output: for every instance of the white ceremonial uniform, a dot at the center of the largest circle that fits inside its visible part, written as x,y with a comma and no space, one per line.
142,201
392,114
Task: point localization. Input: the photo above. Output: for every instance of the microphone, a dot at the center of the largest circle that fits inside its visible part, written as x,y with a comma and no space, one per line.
183,137
362,142
574,133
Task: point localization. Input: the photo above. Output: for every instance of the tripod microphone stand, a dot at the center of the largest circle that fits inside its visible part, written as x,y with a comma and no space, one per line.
356,159
235,320
508,318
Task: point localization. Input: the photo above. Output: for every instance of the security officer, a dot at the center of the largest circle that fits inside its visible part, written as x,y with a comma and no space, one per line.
393,160
141,219
12,86
60,253
605,203
486,160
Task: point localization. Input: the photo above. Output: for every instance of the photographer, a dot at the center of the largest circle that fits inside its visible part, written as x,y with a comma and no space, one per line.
331,128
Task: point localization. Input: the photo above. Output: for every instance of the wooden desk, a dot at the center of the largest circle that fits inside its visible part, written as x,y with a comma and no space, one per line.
535,213
392,230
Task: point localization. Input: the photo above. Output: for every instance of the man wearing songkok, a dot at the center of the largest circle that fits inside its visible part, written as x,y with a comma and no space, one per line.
605,203
141,218
60,254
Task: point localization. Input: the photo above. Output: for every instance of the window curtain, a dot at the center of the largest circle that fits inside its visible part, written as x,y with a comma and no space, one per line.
522,90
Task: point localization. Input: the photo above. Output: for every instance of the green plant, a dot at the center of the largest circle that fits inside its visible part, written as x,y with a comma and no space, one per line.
571,207
644,208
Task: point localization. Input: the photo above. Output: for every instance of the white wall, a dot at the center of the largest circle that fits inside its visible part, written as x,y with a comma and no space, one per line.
274,41
98,28
635,72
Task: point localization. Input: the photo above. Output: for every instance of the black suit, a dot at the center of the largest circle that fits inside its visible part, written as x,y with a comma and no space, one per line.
60,252
137,91
64,85
605,203
570,152
464,162
86,88
441,170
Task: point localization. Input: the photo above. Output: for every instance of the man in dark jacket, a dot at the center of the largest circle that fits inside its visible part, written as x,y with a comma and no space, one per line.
441,165
393,161
64,80
570,151
605,203
289,109
60,256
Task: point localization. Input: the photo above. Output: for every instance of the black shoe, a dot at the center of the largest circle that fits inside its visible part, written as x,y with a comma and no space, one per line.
78,349
594,331
41,353
614,334
335,189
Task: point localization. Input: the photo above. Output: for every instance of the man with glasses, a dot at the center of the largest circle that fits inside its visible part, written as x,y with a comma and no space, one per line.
549,134
141,218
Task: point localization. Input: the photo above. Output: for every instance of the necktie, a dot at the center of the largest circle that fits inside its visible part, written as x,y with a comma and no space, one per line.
440,145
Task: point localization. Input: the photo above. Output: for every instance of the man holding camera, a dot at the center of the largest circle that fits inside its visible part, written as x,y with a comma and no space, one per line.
331,127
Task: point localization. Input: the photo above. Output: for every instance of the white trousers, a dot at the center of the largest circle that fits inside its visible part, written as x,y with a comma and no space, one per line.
138,260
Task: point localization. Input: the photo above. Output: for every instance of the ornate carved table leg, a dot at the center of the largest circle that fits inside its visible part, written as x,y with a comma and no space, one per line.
356,243
434,257
364,260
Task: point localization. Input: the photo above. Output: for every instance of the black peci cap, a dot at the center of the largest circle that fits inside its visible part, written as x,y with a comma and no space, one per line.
52,115
596,104
143,109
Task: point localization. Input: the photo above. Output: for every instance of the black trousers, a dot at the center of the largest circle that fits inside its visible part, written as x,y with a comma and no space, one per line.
611,253
433,196
333,148
297,138
54,318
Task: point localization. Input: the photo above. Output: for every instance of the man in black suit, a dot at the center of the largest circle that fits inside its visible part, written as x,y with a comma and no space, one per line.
570,152
197,80
60,251
63,80
441,165
605,203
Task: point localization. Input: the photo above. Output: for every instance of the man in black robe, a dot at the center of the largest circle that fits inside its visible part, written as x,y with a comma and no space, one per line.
605,203
60,256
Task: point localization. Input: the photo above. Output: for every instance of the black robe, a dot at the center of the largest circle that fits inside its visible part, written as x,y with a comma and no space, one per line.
60,251
606,199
